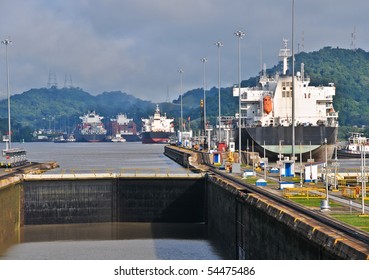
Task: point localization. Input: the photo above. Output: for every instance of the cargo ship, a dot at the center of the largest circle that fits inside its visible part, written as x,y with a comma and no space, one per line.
157,129
91,129
125,127
267,118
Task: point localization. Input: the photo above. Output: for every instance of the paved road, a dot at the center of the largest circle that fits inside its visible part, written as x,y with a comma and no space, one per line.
347,201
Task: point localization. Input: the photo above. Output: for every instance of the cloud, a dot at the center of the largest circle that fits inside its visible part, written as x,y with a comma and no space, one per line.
137,45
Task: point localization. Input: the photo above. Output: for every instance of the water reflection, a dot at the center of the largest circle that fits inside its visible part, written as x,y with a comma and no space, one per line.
124,241
8,240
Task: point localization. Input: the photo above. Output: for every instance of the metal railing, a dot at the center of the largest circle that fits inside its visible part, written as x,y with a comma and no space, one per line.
304,193
113,173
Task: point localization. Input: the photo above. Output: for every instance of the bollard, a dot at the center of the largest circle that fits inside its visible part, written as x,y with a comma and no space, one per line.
324,205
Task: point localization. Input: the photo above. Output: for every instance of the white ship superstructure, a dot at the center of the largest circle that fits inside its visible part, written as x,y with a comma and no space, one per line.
123,120
157,123
269,106
157,128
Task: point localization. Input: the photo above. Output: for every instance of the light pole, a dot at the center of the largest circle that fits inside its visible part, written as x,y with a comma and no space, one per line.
219,44
6,42
280,160
300,165
293,84
240,35
326,169
204,60
180,71
363,179
324,206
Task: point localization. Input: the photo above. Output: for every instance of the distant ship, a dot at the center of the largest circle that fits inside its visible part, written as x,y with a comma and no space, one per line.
266,116
356,145
92,129
125,127
157,128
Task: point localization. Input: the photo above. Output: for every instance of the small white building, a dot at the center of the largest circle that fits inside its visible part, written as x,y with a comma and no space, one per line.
287,168
311,172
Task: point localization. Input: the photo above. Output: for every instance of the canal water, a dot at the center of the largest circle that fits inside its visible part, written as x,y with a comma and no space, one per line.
102,157
125,241
113,241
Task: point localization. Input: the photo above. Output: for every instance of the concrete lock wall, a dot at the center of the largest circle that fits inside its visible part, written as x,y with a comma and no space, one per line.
115,200
68,201
10,214
158,200
245,227
221,219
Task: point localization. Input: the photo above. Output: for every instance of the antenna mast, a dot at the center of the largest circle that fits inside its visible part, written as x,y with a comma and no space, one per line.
167,97
284,54
303,41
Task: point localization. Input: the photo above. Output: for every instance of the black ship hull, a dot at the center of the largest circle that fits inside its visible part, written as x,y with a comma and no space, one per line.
343,153
309,140
90,137
131,137
159,137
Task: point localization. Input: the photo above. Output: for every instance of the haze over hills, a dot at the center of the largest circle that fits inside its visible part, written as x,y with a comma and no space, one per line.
61,108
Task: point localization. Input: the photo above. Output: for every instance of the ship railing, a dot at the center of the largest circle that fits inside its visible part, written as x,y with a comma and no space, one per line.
332,115
156,172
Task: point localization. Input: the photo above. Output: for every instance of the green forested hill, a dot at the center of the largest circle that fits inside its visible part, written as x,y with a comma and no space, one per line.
59,108
348,69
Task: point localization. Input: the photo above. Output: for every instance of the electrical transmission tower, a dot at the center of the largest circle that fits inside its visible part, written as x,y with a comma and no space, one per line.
353,40
51,81
68,83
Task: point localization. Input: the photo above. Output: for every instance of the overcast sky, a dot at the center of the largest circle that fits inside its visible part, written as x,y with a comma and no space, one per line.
137,46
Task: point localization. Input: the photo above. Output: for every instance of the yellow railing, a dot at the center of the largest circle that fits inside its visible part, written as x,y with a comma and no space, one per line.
304,192
354,192
127,171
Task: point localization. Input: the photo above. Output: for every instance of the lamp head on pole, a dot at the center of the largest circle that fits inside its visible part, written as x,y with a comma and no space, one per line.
240,34
6,42
219,44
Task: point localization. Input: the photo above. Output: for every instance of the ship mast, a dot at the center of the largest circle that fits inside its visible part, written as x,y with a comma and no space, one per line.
284,54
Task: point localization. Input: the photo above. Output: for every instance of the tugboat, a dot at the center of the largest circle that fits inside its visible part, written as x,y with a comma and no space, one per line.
266,115
357,143
118,139
92,129
157,129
